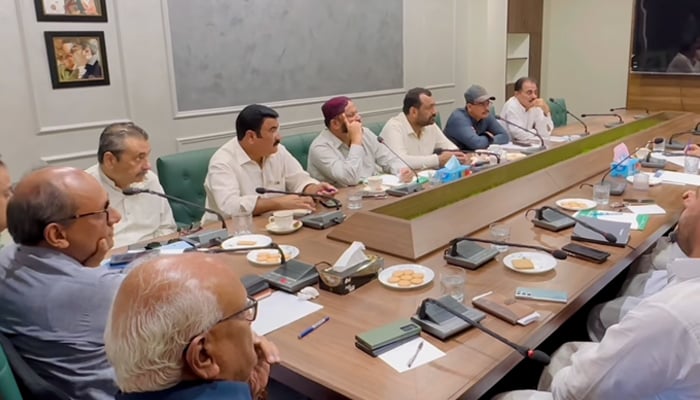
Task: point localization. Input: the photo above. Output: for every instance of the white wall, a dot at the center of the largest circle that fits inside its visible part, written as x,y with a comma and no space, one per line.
585,52
448,45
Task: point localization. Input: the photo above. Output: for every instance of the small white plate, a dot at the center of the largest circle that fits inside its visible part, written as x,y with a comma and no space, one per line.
653,180
368,189
543,262
271,256
272,228
576,204
386,274
245,241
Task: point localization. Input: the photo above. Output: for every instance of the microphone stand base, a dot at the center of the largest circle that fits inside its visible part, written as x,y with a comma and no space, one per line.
617,188
654,163
400,191
532,150
675,146
205,239
554,225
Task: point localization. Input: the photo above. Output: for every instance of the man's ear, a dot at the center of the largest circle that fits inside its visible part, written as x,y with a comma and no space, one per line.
55,236
199,360
109,159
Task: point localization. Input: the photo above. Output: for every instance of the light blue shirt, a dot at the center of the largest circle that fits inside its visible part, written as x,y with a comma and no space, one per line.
55,310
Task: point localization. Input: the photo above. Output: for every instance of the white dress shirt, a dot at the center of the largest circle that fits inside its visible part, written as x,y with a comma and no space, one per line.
533,118
417,151
232,178
653,353
144,216
333,161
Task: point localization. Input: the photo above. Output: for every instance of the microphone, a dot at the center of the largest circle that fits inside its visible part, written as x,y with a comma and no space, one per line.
556,253
680,146
327,201
607,235
272,245
409,187
130,191
585,127
618,188
533,131
609,124
197,239
638,116
532,354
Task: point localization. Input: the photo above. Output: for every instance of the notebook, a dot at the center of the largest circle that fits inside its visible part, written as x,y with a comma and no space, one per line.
506,308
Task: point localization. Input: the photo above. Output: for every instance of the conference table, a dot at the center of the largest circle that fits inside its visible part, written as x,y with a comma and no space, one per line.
327,365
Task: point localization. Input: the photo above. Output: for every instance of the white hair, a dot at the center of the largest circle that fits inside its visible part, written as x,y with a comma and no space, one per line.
145,343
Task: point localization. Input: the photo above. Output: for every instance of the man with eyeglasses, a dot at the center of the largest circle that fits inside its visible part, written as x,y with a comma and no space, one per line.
123,162
180,328
255,158
473,127
526,109
54,297
5,194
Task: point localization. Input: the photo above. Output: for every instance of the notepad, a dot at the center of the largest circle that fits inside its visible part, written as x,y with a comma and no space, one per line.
281,309
398,357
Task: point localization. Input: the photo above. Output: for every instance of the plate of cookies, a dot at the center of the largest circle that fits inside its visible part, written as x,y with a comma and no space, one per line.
576,204
529,262
406,276
245,241
272,256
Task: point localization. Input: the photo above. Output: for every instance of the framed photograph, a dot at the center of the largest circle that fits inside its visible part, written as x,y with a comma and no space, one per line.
77,59
71,10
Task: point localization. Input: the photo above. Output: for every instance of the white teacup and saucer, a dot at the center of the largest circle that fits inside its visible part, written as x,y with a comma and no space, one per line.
283,222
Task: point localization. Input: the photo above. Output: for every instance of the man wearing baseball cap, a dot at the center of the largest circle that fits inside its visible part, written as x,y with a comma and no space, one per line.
345,152
473,127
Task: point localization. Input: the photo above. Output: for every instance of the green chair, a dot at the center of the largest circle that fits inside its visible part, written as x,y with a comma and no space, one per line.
438,121
182,175
8,385
558,110
375,127
298,146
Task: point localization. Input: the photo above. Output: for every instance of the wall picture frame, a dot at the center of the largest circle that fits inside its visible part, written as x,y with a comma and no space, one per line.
71,10
77,59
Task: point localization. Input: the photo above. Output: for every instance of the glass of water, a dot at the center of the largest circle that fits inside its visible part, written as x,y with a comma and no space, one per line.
659,147
452,282
601,193
499,232
691,165
242,223
355,200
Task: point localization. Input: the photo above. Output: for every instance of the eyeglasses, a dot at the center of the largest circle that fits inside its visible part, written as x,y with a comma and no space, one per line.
88,214
485,103
248,313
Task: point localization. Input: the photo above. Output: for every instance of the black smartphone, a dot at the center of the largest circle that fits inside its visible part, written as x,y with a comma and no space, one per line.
330,203
586,253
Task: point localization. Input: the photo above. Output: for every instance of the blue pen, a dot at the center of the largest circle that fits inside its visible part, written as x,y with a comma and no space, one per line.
313,327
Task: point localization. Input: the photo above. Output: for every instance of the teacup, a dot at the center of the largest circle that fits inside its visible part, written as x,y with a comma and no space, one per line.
375,183
282,219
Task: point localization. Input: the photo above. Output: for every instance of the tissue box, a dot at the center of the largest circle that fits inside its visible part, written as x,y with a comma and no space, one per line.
450,175
352,278
624,169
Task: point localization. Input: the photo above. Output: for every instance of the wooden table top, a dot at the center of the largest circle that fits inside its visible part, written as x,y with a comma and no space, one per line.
474,362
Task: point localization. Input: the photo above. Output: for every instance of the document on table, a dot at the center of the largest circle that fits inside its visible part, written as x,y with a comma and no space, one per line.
280,309
680,178
650,209
637,221
677,160
399,357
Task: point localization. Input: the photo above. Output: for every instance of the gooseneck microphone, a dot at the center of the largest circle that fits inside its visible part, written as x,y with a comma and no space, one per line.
327,201
272,245
531,354
408,187
585,127
646,110
130,191
556,253
680,146
620,121
619,187
532,131
607,235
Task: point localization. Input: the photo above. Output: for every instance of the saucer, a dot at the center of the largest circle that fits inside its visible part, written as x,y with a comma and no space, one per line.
272,228
246,241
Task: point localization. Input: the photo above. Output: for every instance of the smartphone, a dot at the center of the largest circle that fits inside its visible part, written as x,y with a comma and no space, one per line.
555,296
586,253
330,203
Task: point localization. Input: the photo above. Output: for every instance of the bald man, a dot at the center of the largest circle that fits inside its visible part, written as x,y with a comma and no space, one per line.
53,299
180,328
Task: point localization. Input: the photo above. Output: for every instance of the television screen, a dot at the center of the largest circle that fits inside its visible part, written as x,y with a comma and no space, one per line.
666,37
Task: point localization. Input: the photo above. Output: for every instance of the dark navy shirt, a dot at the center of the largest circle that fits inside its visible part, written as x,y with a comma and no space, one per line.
195,390
468,134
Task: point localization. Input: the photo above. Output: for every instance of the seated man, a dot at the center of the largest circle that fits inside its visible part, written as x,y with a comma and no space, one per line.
653,353
5,194
255,158
525,109
123,162
345,152
473,127
180,328
53,300
414,135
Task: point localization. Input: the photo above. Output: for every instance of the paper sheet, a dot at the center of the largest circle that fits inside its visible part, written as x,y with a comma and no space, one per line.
636,221
677,160
398,358
281,309
648,209
681,178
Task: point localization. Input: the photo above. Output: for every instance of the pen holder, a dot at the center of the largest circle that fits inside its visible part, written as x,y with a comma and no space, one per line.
625,169
352,278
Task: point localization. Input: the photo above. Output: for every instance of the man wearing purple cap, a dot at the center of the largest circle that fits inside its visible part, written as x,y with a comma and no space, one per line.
473,127
345,152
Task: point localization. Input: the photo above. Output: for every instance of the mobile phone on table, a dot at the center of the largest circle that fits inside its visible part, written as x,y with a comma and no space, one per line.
556,296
